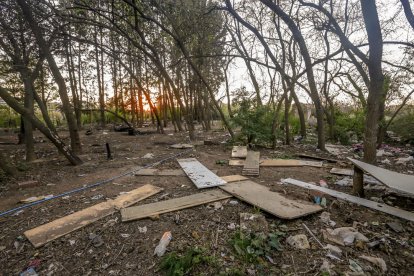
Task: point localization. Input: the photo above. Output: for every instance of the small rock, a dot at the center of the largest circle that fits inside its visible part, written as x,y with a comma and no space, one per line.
97,197
343,235
298,241
231,226
148,156
334,251
326,218
142,229
96,240
233,202
125,235
346,181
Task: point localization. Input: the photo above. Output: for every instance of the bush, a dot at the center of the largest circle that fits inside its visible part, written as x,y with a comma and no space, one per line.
255,122
347,123
403,125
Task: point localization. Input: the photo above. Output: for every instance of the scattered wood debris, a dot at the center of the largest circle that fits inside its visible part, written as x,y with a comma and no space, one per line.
199,174
280,163
239,152
252,166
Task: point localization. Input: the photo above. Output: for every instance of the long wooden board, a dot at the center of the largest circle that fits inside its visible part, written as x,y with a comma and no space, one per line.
280,163
251,165
161,207
199,174
233,178
239,152
340,171
156,172
400,182
271,202
357,200
50,231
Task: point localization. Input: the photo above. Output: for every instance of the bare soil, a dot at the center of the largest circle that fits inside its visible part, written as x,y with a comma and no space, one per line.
200,226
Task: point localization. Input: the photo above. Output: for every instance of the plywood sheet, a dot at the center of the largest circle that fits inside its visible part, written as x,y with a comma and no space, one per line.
47,232
397,181
342,171
239,152
152,209
271,202
251,165
201,176
280,163
317,157
156,172
357,200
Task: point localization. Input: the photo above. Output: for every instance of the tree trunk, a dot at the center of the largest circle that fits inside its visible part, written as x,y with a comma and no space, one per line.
53,137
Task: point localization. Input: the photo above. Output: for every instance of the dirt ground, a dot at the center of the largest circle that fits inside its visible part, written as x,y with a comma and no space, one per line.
126,251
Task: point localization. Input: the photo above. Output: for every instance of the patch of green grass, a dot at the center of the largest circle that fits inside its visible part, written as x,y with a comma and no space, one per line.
252,248
174,264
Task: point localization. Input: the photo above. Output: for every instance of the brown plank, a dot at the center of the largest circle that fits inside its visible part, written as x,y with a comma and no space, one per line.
50,231
271,202
354,199
317,157
239,152
161,207
233,178
251,166
399,182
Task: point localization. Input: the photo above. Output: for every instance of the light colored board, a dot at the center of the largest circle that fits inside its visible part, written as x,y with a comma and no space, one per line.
181,146
239,152
161,207
233,178
271,202
50,231
280,163
357,200
251,165
199,174
342,171
399,182
156,172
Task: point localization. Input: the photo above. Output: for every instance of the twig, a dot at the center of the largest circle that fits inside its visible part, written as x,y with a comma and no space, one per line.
294,266
313,236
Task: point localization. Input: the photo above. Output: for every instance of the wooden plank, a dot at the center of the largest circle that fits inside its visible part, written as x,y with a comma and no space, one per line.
239,152
317,157
201,176
340,171
251,166
280,163
233,178
357,200
397,181
156,172
50,231
161,207
271,202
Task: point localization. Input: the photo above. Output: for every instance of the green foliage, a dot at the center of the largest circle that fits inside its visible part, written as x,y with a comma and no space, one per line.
8,118
403,125
255,122
176,265
252,247
345,123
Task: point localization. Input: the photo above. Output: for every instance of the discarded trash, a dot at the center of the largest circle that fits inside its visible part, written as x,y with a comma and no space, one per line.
343,235
96,240
35,198
299,241
72,242
355,267
148,156
181,146
376,261
334,252
142,229
216,205
346,181
323,202
323,183
404,160
29,272
396,226
326,268
110,222
231,226
253,223
326,218
18,213
317,199
97,197
222,162
233,202
125,235
162,246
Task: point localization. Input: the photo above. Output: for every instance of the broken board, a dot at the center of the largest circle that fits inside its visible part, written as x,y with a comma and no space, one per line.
239,152
161,207
340,171
251,165
357,200
199,174
317,157
182,146
271,202
233,178
280,163
397,181
50,231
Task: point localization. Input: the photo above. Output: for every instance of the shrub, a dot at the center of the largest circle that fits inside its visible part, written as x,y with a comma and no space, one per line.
403,125
347,123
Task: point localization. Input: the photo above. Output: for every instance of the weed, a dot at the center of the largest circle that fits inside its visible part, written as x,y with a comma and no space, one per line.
176,265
